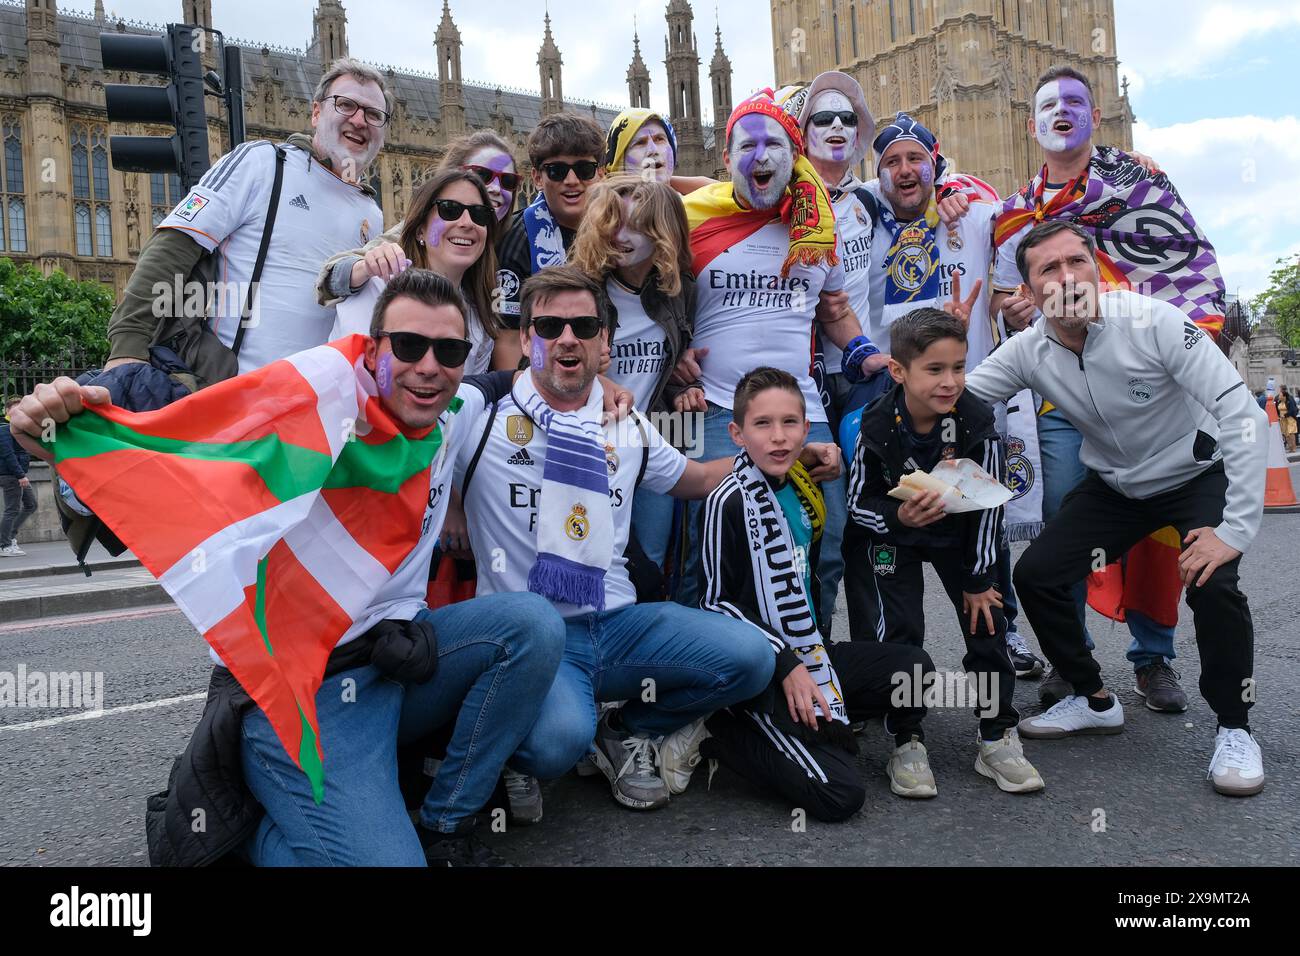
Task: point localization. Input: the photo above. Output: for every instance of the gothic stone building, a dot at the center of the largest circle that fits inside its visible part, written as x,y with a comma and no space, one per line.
964,68
62,205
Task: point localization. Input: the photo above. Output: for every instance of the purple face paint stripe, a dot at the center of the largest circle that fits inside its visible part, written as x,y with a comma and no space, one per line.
537,357
384,375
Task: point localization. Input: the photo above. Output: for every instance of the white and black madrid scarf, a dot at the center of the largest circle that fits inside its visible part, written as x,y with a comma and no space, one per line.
778,573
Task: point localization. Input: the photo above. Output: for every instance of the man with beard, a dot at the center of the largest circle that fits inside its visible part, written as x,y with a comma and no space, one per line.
641,143
1168,432
323,207
547,493
763,251
1147,240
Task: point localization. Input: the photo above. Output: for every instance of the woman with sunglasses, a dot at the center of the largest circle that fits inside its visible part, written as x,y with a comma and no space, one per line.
634,238
487,156
451,229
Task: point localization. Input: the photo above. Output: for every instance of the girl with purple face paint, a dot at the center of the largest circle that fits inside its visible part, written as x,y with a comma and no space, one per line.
450,228
634,237
488,156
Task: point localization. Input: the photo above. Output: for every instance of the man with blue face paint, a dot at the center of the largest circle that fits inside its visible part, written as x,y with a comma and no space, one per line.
1147,240
641,143
763,249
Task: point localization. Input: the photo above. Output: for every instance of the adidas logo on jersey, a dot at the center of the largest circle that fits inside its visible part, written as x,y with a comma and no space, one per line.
1191,335
300,201
521,457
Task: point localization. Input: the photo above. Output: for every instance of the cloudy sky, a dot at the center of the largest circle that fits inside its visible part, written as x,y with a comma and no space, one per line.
1212,83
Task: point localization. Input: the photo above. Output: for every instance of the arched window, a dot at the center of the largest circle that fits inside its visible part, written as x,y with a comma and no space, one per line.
13,201
853,29
92,218
911,16
893,23
164,193
835,30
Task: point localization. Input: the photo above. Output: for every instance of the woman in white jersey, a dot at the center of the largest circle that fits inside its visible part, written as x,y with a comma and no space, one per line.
451,229
634,237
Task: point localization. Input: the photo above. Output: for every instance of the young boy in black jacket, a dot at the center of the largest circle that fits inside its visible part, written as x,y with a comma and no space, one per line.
760,527
928,418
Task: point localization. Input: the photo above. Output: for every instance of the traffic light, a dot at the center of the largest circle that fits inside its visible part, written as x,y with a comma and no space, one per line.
178,56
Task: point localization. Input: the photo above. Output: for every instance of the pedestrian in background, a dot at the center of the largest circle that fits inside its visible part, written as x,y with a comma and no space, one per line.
1286,416
19,498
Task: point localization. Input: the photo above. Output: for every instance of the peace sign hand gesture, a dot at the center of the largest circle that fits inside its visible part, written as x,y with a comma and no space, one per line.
959,307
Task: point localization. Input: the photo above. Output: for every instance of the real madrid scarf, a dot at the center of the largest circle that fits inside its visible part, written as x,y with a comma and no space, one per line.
1146,237
545,244
717,222
575,536
912,263
778,573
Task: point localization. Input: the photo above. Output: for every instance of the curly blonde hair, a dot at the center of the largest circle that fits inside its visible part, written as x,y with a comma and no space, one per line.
657,213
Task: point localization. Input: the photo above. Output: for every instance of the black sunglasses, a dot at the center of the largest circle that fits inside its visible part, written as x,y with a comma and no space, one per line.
552,326
559,172
508,181
451,210
411,347
827,117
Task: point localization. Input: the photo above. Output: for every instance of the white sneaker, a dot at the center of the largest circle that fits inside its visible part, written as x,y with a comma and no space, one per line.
1237,767
1003,761
13,551
679,754
1073,716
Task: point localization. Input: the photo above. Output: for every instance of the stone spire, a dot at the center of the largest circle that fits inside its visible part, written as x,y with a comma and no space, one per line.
720,80
329,39
682,59
43,49
548,67
196,12
451,93
638,76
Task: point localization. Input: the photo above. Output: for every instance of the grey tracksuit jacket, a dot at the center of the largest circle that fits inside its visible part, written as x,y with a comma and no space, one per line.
1155,399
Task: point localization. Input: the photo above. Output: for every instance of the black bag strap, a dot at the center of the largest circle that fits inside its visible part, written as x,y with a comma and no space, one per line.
869,201
267,229
645,449
478,452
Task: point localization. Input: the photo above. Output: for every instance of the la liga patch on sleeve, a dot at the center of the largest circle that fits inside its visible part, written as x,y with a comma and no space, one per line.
190,207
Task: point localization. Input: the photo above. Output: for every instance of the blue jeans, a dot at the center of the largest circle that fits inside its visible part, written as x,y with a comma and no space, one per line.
830,564
672,665
497,657
652,522
1059,443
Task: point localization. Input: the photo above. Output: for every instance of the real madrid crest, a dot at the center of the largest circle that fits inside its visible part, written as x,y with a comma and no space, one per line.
954,241
365,231
576,525
611,459
519,429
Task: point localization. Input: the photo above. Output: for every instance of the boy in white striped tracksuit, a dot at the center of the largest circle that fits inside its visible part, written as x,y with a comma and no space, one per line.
760,528
928,417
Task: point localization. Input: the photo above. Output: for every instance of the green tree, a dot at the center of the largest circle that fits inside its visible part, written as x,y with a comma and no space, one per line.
1282,300
49,318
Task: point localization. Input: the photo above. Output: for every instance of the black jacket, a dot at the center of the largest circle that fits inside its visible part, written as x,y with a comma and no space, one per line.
515,264
878,464
13,456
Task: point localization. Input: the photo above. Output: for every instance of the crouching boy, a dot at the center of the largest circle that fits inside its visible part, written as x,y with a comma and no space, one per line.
927,418
760,528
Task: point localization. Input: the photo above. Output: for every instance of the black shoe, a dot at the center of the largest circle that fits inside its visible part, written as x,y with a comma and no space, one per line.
458,849
1158,683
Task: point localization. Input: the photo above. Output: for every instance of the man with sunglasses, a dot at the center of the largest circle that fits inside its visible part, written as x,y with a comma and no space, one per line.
548,499
566,151
495,655
323,208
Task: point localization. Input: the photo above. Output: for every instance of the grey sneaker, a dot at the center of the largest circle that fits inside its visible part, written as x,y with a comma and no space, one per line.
629,764
679,755
525,796
12,551
909,771
1025,661
1158,683
1054,688
1004,762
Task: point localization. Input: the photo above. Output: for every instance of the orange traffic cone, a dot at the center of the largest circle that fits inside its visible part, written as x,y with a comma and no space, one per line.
1278,492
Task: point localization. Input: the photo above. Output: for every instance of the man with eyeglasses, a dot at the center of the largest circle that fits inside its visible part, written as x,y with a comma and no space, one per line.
399,671
323,207
547,492
566,151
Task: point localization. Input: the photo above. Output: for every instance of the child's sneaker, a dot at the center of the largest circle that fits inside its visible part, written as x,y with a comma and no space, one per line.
1003,761
909,771
1025,661
1073,716
679,755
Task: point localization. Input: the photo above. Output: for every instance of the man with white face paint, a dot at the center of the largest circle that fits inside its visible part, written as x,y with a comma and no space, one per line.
1147,240
763,250
324,207
641,143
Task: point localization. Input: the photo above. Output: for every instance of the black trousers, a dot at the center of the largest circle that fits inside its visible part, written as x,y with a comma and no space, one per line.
1095,523
823,779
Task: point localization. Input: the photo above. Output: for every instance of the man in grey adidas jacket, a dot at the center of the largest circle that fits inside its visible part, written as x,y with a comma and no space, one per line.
1171,435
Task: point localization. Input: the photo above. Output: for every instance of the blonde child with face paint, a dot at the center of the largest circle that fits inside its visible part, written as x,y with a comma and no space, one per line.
634,238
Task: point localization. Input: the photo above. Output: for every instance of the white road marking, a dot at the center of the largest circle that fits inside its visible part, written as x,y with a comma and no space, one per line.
96,714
